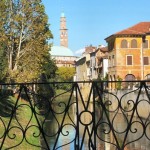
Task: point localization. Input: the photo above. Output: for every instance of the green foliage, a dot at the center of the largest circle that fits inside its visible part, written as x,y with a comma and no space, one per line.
99,78
25,32
106,77
65,74
118,84
49,68
3,64
45,90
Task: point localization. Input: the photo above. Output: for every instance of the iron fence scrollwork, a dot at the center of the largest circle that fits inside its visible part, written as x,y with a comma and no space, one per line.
92,116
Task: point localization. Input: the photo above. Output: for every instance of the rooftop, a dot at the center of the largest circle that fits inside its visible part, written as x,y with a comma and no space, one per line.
141,28
103,49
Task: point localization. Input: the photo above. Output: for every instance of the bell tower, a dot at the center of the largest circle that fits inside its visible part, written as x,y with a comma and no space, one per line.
63,31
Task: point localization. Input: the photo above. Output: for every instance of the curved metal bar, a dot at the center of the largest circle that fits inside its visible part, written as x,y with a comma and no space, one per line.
65,135
107,108
14,136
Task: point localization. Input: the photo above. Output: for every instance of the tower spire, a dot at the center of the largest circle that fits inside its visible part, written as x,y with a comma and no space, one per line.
63,31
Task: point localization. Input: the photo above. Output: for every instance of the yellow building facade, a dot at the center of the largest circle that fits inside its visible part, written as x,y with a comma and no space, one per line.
129,53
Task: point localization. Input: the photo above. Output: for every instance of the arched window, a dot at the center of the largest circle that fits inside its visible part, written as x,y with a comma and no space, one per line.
148,76
145,44
148,79
134,43
124,44
129,77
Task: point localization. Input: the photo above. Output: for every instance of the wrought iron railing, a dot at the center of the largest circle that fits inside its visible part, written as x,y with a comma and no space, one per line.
75,115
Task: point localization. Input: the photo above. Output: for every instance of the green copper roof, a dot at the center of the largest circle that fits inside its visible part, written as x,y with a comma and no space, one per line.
61,51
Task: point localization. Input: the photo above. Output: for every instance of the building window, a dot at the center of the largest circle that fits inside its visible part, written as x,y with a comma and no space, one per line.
129,77
129,60
124,44
111,45
113,60
109,61
145,44
146,61
148,76
134,43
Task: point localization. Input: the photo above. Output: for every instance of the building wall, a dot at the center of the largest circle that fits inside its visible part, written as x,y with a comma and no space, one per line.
82,74
92,67
118,59
65,61
105,67
81,69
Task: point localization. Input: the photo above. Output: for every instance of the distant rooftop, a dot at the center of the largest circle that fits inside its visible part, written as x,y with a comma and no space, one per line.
104,49
89,49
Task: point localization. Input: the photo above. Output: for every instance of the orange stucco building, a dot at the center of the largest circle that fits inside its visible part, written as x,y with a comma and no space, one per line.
129,53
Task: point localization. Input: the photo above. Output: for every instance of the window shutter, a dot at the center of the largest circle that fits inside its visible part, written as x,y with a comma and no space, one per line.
129,60
145,44
124,44
133,43
146,61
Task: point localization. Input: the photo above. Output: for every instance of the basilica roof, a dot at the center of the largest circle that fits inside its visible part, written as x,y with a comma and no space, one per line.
61,51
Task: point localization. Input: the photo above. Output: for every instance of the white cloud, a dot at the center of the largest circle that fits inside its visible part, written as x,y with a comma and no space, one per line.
80,51
101,46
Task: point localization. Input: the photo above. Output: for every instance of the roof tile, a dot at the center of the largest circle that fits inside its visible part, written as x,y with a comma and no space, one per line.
140,28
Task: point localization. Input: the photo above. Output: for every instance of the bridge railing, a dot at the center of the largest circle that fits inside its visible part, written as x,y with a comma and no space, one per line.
75,115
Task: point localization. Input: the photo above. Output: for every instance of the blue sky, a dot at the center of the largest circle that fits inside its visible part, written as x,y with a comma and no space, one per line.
91,21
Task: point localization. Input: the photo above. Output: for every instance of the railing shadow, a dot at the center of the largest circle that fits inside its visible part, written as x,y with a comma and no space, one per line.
6,105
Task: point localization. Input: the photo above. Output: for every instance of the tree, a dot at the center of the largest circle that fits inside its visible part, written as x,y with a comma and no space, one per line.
3,63
65,74
25,32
